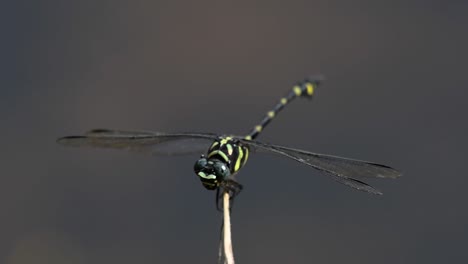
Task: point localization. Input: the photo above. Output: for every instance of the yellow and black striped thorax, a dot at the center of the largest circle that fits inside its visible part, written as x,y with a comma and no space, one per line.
230,151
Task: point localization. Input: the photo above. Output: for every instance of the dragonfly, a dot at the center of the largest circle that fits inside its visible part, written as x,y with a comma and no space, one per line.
226,155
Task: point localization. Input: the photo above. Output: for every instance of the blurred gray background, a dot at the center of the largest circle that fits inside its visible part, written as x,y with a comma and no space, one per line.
395,93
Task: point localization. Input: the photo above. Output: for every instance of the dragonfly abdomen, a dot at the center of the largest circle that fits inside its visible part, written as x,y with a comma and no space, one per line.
302,89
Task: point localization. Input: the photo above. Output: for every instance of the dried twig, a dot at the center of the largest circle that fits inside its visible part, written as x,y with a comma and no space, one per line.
228,253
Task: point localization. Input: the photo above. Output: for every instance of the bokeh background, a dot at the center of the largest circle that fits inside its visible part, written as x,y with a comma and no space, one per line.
396,93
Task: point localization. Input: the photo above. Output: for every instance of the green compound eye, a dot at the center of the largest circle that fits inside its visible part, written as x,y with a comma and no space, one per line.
221,169
200,165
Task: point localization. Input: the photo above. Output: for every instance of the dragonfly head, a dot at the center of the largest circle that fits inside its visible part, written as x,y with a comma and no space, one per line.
211,172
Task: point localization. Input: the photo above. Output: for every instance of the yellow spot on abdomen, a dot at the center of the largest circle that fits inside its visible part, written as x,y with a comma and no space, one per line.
284,101
297,90
258,128
271,114
248,138
309,88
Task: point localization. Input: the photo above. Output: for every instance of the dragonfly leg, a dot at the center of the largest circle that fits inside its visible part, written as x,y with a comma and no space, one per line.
232,187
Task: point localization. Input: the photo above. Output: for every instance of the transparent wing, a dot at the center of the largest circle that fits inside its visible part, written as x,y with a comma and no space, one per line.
344,170
154,143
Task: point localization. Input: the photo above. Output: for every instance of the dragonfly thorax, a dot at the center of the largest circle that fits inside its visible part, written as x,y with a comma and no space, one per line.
211,172
224,158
